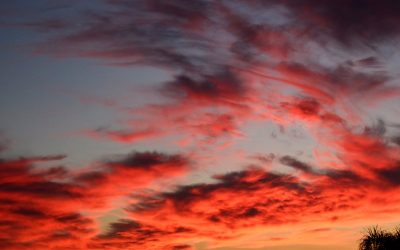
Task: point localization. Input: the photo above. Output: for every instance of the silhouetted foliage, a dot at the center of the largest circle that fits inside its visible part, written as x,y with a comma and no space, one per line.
379,239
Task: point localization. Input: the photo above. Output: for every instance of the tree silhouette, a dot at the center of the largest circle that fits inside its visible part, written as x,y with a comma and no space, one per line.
379,239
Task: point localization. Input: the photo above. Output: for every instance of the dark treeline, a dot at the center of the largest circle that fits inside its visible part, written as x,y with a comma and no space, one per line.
380,239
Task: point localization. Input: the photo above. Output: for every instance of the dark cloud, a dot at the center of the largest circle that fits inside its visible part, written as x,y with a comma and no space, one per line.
29,212
370,62
293,162
148,160
396,140
42,189
349,22
147,165
390,175
117,228
181,247
224,85
72,217
128,233
377,129
92,177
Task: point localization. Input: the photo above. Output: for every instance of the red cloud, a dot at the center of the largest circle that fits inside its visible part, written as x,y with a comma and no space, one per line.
38,210
54,198
124,136
254,197
220,211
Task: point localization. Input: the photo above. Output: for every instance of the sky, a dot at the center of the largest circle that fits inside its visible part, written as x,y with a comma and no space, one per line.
198,125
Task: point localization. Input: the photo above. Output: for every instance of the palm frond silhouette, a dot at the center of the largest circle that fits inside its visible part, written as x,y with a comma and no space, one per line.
379,239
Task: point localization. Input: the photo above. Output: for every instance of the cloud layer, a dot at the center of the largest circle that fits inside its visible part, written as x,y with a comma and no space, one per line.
317,65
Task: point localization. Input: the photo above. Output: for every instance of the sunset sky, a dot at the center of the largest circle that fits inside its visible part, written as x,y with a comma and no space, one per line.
198,124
